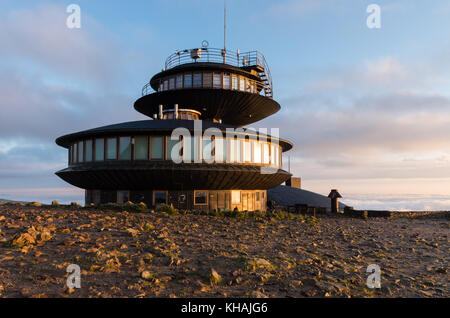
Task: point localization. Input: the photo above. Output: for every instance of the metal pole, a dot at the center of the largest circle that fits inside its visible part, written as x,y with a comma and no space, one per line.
224,24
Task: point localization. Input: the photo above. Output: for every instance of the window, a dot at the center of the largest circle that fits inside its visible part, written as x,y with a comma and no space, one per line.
99,149
272,155
123,197
179,82
80,152
256,152
166,85
125,148
266,155
217,80
201,197
239,154
140,148
173,149
207,149
88,150
189,148
75,152
234,81
159,197
235,197
226,81
157,148
172,83
276,156
111,146
197,80
241,83
187,80
207,80
220,147
247,151
257,197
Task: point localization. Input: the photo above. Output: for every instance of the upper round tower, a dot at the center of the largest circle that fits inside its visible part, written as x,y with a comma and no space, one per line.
214,84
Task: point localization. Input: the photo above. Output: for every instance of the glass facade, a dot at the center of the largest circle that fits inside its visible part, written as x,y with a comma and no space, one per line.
157,148
111,149
88,150
189,149
99,149
218,80
141,148
124,148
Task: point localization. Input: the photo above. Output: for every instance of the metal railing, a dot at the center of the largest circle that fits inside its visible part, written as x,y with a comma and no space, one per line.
213,55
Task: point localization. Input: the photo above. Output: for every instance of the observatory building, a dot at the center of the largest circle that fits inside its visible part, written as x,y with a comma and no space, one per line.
193,152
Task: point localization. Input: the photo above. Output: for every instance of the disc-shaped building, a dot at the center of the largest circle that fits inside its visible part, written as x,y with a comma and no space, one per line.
194,152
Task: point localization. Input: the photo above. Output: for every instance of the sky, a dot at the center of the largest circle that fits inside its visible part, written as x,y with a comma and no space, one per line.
368,110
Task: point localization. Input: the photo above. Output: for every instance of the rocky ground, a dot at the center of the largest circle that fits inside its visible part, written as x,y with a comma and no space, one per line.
124,254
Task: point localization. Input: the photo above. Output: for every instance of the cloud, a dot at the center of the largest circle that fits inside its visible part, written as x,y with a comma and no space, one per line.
40,35
54,81
368,121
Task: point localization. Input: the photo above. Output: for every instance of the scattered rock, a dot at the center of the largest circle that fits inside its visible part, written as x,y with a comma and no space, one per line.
215,278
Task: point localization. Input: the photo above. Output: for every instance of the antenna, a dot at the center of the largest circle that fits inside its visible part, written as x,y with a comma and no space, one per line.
224,24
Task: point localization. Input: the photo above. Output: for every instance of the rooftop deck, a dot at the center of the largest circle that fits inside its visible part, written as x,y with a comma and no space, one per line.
252,60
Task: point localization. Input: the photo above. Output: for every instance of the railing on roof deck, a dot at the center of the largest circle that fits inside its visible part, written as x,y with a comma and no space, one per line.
213,55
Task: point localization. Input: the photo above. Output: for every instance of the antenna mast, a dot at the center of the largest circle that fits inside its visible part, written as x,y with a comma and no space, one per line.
224,24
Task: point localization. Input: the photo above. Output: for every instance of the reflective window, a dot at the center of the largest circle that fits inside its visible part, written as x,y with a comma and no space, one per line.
235,197
179,83
276,156
111,146
157,147
247,151
266,153
189,148
256,152
241,83
197,80
173,149
159,197
207,80
187,80
217,80
88,150
226,81
140,148
234,81
123,197
239,154
80,152
201,197
125,148
172,83
99,149
75,152
220,150
166,85
232,154
207,147
272,155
